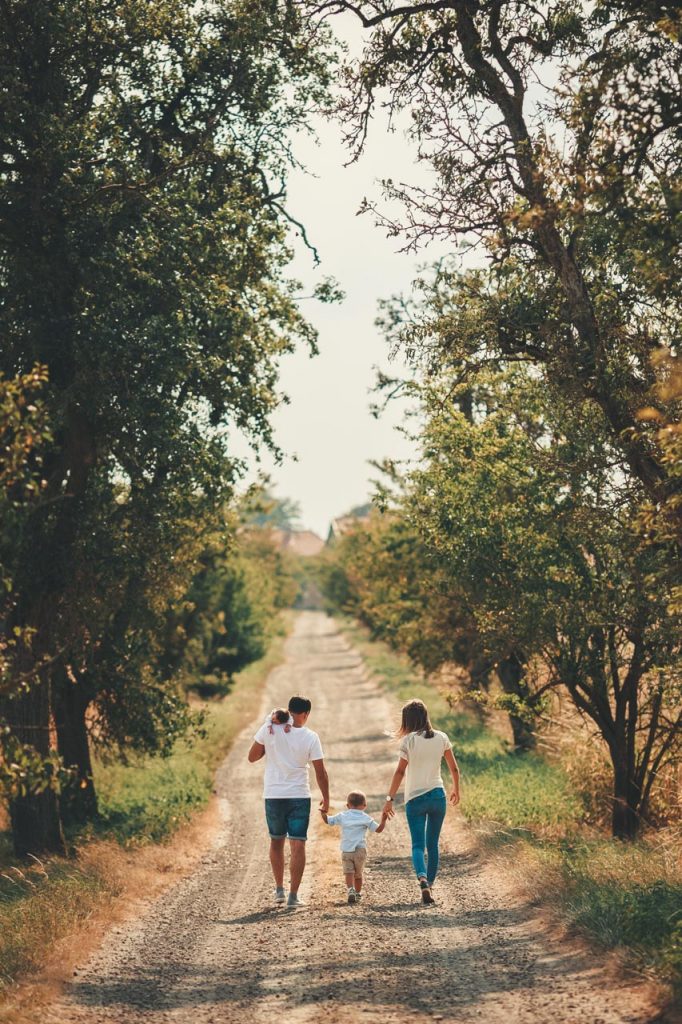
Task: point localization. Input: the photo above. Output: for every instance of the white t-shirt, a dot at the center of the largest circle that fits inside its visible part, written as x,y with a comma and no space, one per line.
287,756
354,824
423,762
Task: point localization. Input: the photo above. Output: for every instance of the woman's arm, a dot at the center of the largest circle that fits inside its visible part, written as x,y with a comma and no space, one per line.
395,786
454,771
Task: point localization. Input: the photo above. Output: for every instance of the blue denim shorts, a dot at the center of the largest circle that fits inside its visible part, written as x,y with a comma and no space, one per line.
288,817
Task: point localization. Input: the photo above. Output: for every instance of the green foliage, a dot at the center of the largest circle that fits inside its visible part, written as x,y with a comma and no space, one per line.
23,771
262,509
24,435
553,141
143,240
230,613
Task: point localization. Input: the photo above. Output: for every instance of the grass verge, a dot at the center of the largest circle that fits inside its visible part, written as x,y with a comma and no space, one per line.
141,804
623,896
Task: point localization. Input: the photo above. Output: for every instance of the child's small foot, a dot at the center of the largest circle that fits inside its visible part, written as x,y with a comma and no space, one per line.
352,895
358,896
280,896
427,898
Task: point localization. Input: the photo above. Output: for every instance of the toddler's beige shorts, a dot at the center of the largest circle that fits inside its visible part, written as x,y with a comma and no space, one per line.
353,860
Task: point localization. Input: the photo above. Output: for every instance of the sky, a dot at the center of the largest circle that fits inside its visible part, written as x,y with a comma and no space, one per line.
327,432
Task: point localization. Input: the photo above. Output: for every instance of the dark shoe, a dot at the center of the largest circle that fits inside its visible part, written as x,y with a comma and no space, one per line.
427,898
352,896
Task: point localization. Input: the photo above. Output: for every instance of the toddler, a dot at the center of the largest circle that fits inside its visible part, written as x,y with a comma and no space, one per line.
354,825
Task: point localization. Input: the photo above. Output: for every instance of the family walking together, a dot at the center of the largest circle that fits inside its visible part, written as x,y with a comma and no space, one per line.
290,747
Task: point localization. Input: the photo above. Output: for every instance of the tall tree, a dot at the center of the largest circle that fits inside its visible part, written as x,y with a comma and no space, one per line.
533,514
553,134
142,245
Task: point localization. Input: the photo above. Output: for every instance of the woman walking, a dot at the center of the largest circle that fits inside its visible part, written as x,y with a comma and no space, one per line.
422,750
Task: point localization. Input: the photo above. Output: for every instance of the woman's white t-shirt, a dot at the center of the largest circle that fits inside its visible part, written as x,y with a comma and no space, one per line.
423,758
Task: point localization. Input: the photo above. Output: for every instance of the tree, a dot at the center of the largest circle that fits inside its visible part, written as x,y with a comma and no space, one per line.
142,241
263,509
230,612
384,574
553,137
532,512
28,771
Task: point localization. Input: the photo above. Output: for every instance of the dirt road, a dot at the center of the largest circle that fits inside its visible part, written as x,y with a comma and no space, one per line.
214,950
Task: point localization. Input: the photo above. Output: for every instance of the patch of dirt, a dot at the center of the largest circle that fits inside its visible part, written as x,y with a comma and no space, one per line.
213,950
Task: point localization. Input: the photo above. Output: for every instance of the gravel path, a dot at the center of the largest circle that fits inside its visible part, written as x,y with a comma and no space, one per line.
212,949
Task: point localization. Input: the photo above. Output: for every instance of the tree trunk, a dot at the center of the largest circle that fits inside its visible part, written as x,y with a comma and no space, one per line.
625,819
511,672
36,824
78,798
478,667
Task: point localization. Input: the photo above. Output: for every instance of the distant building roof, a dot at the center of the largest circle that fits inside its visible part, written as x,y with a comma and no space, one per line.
299,542
344,524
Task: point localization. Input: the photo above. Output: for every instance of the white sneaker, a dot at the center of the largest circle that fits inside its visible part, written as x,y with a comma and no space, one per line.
293,900
352,896
280,897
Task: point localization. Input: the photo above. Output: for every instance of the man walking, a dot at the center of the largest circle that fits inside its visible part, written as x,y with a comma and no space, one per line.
287,791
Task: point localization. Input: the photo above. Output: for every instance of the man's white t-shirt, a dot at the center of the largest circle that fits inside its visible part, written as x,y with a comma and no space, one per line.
287,756
423,762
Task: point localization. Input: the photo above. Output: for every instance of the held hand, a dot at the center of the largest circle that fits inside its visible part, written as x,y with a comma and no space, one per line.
388,810
324,806
454,797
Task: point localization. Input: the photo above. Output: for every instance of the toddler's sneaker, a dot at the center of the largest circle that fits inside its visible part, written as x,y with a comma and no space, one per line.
280,897
358,896
352,895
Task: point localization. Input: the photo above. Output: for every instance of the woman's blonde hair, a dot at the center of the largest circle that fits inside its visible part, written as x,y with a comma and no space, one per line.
415,718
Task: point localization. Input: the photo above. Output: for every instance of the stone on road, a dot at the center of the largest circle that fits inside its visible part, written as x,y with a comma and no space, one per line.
214,950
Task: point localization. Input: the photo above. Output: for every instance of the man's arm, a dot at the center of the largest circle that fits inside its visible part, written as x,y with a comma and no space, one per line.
257,751
323,783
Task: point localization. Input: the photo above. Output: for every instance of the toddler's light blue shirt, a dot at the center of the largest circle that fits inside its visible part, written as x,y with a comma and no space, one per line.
354,825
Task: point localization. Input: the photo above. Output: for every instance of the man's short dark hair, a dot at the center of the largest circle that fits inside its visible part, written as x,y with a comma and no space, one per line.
300,706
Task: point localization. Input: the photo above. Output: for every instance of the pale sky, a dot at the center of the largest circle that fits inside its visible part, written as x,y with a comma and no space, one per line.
328,426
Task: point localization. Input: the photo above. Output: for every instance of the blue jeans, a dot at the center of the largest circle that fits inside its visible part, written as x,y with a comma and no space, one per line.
288,817
425,816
